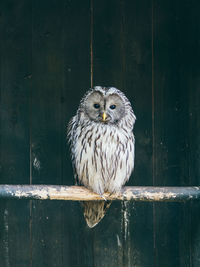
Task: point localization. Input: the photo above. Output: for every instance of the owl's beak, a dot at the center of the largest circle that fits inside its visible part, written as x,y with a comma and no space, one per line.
104,116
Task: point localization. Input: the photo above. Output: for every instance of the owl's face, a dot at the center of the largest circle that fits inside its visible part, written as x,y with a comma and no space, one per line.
104,106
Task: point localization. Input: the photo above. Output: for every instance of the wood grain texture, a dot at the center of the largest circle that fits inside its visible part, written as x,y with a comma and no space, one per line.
191,70
46,150
172,69
15,86
137,81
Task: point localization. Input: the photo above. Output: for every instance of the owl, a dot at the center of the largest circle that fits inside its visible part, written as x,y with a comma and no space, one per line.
102,146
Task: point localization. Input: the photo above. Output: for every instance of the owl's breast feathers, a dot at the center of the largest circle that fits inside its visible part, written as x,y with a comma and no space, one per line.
103,155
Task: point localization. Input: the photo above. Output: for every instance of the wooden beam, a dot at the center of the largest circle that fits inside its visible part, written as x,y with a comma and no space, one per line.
80,193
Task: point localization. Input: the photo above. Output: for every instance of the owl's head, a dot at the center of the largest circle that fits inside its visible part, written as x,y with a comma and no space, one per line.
106,105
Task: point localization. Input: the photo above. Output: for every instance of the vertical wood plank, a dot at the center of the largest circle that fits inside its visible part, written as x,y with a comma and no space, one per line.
137,76
122,58
76,80
46,136
15,46
47,54
192,72
14,138
171,147
15,89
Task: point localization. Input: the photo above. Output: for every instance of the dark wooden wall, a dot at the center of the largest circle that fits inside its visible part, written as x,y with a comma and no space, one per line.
51,52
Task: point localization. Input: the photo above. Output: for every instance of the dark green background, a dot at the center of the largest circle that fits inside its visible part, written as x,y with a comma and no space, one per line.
50,53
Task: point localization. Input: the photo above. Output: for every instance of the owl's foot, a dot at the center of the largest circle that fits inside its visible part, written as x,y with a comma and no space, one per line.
102,196
114,195
110,193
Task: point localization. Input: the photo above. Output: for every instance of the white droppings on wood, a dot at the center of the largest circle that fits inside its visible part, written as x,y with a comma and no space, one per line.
126,219
126,231
38,193
158,196
146,195
118,241
36,164
5,239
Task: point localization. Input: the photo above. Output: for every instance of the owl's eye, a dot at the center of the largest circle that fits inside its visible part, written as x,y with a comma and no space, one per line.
96,106
112,106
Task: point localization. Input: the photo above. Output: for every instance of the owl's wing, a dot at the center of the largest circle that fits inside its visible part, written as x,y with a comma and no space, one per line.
71,128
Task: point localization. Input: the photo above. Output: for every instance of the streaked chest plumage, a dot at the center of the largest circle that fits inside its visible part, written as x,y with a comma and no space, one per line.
103,156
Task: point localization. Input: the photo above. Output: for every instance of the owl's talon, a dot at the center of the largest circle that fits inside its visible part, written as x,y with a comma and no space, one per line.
102,196
111,194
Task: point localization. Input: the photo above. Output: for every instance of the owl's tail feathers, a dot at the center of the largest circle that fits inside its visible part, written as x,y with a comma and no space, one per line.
94,211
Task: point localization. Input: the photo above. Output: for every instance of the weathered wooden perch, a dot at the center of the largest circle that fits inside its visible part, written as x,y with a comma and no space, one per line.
80,193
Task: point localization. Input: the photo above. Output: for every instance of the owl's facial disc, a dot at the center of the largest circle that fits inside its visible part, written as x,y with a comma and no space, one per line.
108,109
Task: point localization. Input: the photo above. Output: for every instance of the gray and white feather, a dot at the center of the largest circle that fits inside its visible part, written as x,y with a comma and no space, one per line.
102,145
